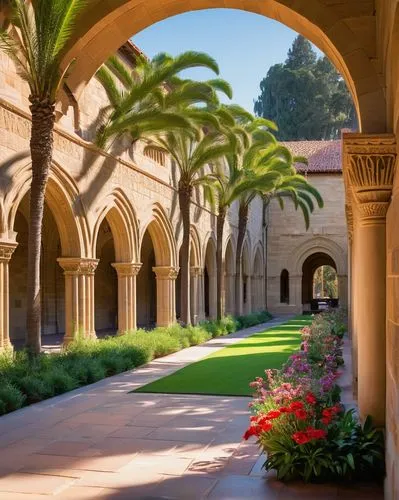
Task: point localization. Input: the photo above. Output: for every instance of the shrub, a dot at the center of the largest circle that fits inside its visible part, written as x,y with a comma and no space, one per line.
11,397
84,361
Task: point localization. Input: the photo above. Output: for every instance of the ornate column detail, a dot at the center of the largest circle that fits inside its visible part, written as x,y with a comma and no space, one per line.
166,294
349,221
127,316
79,296
369,164
6,250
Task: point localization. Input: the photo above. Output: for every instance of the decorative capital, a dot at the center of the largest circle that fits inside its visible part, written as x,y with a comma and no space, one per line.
6,250
195,272
77,265
166,272
370,164
127,268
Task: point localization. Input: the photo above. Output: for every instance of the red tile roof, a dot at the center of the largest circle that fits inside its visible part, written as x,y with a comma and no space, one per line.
323,156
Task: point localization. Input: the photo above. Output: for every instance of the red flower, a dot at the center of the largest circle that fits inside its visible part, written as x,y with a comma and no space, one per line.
273,414
301,414
252,430
311,398
285,409
266,427
316,433
326,420
296,405
301,437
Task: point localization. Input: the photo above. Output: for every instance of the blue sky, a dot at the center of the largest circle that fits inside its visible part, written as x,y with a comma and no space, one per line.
245,45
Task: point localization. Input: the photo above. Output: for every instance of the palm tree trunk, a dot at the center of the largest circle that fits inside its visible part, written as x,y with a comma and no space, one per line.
41,146
219,262
185,192
242,227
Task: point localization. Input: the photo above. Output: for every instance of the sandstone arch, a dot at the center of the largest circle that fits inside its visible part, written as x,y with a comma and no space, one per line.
257,280
120,215
62,197
106,26
229,281
314,245
209,278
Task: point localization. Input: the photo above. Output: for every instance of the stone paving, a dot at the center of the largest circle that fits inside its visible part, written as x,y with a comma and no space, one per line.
100,442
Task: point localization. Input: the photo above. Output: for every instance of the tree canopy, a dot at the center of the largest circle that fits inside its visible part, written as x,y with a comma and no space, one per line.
305,96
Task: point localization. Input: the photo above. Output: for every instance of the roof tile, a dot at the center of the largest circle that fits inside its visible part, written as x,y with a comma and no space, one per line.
323,156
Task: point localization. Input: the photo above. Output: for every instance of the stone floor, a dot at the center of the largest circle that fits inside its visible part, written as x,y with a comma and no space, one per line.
101,442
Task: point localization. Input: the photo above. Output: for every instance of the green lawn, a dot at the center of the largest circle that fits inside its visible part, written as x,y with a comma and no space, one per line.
230,370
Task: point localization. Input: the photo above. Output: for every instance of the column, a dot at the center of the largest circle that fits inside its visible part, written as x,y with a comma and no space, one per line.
79,297
343,290
166,294
127,316
195,293
229,292
248,304
295,287
6,250
370,163
201,295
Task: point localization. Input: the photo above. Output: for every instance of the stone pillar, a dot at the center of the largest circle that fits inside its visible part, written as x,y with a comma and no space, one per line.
295,287
6,250
127,300
229,291
79,297
195,293
370,163
201,295
166,294
248,304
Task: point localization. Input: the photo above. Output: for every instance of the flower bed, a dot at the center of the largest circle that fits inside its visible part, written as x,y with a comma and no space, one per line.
298,418
25,380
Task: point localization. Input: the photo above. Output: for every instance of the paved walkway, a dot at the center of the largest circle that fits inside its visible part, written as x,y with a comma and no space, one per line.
100,442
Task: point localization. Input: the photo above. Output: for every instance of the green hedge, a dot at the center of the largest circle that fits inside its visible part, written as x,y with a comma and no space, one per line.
25,380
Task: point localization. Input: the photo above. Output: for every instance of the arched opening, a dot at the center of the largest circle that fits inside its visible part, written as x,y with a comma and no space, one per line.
51,280
284,287
312,298
325,283
229,279
146,285
257,283
246,281
106,282
193,286
210,280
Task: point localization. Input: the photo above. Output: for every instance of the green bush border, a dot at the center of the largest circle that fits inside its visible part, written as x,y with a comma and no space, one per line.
25,380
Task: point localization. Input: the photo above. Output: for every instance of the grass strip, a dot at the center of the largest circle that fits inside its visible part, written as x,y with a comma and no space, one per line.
229,371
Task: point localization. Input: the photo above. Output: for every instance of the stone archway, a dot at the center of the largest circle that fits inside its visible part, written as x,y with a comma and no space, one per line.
158,248
115,245
330,252
246,282
258,289
209,279
107,25
64,238
310,302
229,281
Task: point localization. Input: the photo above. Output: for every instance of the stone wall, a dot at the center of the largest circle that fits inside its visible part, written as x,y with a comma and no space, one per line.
289,244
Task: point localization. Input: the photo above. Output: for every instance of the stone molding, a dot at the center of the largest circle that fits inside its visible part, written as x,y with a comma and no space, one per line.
78,266
127,268
6,250
370,163
195,272
166,272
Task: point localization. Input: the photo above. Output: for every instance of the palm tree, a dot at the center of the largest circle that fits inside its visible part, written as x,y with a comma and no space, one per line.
152,99
36,40
192,151
291,185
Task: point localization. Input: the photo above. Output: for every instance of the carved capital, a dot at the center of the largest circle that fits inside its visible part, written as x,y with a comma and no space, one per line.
78,266
127,268
370,164
166,272
195,272
6,250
